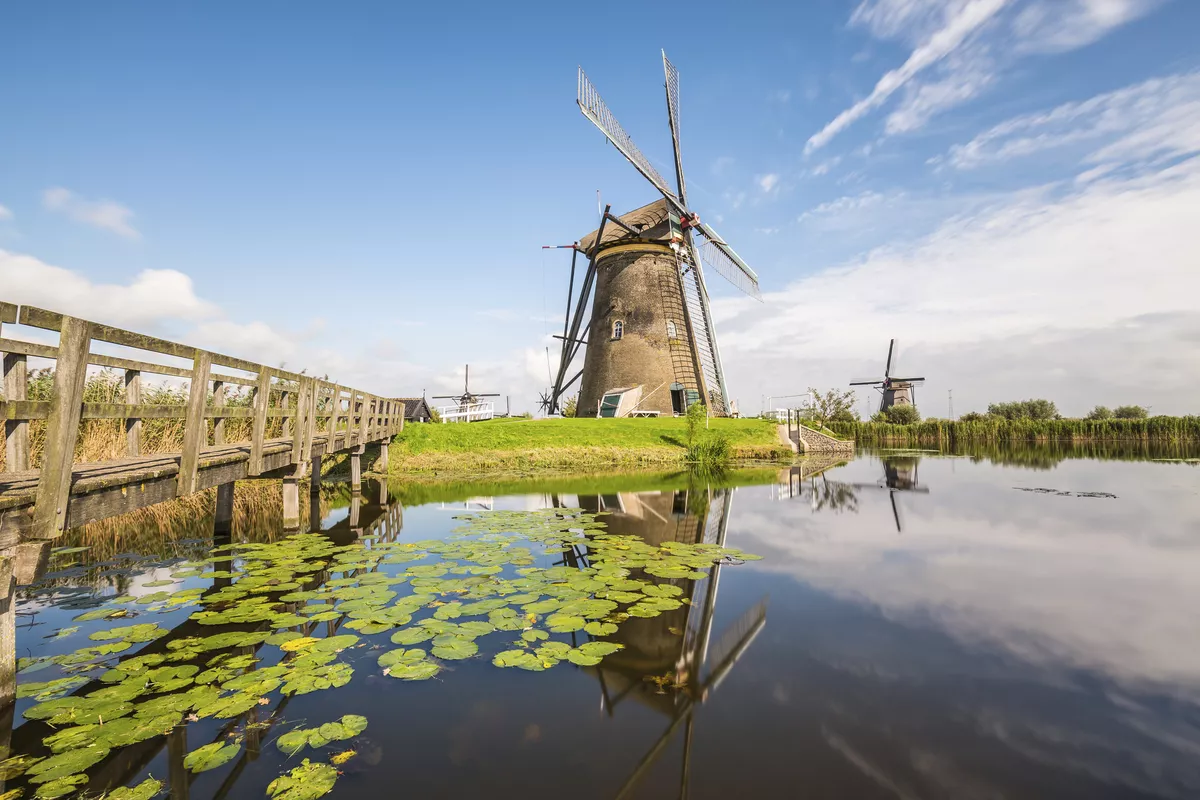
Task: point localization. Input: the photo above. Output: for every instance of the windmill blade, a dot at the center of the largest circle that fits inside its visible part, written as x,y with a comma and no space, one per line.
896,512
672,75
593,107
887,370
733,643
867,382
716,253
913,381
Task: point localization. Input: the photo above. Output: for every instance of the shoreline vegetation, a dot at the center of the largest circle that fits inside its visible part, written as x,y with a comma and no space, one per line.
517,447
997,429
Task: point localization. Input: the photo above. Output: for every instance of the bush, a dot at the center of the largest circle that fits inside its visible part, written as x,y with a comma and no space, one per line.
570,406
902,415
1024,409
1100,412
1130,412
972,416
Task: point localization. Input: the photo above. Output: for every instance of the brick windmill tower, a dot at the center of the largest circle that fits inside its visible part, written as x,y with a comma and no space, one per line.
651,344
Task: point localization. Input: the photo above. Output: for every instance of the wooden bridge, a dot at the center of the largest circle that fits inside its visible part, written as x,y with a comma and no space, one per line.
316,418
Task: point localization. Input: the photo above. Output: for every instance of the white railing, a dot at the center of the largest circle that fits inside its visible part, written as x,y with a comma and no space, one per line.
468,413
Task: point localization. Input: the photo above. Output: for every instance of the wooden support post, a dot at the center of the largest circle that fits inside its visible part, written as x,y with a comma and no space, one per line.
16,431
218,403
62,429
133,427
314,512
262,400
291,503
383,456
301,426
285,401
177,773
223,513
356,470
383,492
33,558
355,511
364,421
8,630
314,482
195,430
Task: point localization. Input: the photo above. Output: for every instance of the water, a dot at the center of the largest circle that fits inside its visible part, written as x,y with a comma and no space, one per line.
920,626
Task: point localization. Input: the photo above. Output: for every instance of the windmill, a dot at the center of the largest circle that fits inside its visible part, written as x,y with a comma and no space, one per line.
467,398
895,391
650,325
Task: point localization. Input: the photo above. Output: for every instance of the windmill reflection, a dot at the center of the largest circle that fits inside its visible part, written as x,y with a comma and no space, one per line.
669,662
809,480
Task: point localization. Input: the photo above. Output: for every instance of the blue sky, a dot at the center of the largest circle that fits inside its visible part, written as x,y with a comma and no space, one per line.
363,188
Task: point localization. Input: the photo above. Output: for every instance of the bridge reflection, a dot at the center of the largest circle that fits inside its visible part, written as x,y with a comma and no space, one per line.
810,481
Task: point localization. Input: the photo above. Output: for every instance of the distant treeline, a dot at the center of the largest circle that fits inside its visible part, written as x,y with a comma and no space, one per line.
998,429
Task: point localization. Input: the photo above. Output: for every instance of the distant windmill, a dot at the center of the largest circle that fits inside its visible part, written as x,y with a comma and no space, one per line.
467,398
896,391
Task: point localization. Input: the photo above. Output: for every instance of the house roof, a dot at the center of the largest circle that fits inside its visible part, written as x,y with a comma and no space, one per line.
413,405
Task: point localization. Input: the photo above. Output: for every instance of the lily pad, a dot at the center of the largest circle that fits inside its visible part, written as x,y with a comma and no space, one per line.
306,782
211,756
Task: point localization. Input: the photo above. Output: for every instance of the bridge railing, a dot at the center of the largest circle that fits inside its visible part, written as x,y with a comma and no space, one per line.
473,412
305,405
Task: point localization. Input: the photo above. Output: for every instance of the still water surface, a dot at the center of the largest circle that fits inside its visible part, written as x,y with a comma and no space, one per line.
919,626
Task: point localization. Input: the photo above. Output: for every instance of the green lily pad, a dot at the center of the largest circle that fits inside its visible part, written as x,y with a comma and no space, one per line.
306,782
453,647
145,790
211,756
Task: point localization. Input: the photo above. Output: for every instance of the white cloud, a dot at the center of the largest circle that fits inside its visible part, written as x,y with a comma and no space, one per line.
843,205
154,297
768,182
1153,119
104,214
961,21
5,214
825,166
1036,272
965,45
1056,25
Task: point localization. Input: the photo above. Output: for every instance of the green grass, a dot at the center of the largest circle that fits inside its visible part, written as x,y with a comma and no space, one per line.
524,446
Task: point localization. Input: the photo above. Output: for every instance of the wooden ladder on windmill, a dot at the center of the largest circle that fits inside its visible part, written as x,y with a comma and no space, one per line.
682,365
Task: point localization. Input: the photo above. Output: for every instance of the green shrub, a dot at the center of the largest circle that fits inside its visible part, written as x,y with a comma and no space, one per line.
1130,412
1100,412
1024,409
902,415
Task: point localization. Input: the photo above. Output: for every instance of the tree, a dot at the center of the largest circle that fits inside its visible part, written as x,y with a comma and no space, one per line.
834,405
570,406
903,415
1130,412
972,416
1025,409
1100,412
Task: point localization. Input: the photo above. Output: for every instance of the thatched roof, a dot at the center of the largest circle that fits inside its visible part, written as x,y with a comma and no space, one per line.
652,220
415,408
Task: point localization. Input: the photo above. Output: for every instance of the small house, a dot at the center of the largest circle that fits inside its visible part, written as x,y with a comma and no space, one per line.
416,409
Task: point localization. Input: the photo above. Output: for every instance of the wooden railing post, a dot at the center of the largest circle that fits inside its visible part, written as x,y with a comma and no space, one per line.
285,400
262,400
16,431
218,403
62,428
133,426
335,411
195,427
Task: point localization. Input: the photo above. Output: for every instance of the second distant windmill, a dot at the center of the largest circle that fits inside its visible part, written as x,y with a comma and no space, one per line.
894,391
468,405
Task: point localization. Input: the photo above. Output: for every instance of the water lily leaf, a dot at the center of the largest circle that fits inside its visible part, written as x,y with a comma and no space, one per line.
143,791
101,613
473,628
337,760
50,689
453,647
600,648
306,782
565,623
293,742
61,787
662,590
293,645
62,765
582,659
408,665
533,635
278,639
232,705
413,635
333,644
553,651
211,756
17,765
600,628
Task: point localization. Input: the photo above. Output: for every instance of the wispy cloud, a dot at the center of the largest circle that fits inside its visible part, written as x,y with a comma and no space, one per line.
1154,119
767,183
844,204
104,214
5,214
962,47
825,166
960,22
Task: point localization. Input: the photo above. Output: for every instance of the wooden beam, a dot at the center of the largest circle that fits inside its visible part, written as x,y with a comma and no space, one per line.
195,433
133,426
218,403
16,431
262,398
62,428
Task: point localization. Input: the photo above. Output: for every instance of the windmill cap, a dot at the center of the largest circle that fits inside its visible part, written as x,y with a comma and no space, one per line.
652,220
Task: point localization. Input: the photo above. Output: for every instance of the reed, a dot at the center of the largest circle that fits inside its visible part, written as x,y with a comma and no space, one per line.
995,429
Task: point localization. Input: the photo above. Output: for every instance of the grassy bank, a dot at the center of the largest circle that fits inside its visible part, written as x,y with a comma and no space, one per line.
526,446
947,432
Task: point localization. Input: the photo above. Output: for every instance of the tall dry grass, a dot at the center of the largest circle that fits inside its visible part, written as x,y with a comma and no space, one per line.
104,439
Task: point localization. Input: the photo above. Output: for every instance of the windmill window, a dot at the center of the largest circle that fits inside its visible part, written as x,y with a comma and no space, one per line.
671,333
618,329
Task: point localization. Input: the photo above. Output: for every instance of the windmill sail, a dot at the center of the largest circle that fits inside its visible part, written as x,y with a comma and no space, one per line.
593,107
704,336
673,118
717,254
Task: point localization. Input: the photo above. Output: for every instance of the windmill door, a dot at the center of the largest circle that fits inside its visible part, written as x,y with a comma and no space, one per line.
678,399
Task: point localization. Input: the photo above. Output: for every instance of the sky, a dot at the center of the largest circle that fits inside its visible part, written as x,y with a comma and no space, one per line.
1007,187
